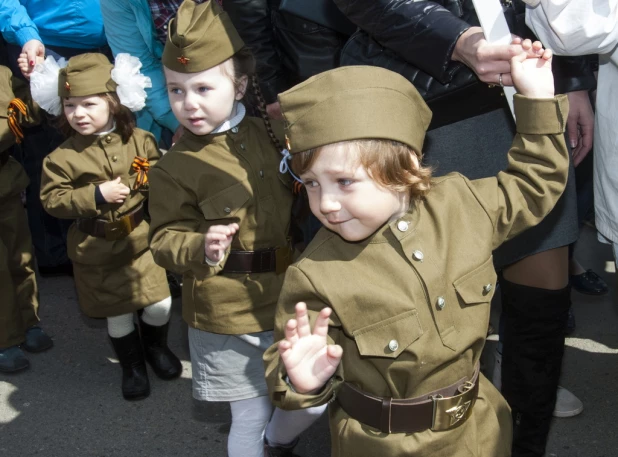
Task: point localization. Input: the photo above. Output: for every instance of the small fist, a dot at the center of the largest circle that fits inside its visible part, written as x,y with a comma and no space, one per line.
114,191
218,239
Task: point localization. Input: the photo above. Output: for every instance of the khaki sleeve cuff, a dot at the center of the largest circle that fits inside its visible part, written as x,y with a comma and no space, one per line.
84,201
541,116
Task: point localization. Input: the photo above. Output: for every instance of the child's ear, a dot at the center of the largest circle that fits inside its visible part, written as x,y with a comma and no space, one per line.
242,87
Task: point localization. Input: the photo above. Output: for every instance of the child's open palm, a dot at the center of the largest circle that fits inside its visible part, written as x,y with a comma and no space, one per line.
217,239
309,361
532,76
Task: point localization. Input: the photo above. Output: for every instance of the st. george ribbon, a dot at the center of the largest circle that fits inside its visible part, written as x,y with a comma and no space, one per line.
496,31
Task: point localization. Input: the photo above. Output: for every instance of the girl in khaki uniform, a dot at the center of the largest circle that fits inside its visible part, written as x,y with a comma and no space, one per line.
220,217
99,177
19,296
399,282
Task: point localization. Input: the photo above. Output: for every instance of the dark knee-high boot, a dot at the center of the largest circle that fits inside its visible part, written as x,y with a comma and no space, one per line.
533,346
162,360
135,384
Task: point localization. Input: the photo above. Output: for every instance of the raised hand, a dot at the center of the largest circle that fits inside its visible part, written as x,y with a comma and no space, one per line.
532,76
114,191
309,361
218,239
32,53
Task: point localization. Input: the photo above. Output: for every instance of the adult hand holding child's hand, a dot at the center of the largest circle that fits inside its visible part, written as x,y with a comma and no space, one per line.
218,239
532,76
114,191
309,361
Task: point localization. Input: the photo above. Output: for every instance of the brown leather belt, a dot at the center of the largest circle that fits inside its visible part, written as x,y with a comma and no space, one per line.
262,261
115,230
440,410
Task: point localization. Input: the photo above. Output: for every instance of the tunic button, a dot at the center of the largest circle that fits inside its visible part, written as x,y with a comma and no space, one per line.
234,129
393,345
441,303
108,139
418,255
402,226
487,288
227,209
242,146
114,158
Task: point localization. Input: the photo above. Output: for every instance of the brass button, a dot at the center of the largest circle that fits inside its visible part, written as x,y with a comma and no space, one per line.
487,288
227,209
393,345
242,146
440,303
114,158
261,173
402,226
108,139
234,129
418,255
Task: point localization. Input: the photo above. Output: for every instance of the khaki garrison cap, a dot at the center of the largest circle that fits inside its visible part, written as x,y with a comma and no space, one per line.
201,36
356,102
86,74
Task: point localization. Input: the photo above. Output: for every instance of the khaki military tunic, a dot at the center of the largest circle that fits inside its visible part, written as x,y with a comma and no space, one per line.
215,179
411,303
112,277
19,298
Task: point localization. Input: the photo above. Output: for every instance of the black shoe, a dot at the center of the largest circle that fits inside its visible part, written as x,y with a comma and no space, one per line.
37,340
280,451
162,360
135,384
174,285
65,269
589,283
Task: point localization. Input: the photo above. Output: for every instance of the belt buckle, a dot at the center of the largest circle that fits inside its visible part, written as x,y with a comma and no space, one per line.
282,260
449,412
119,229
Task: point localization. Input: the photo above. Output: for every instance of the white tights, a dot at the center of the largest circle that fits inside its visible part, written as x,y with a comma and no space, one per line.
156,314
250,417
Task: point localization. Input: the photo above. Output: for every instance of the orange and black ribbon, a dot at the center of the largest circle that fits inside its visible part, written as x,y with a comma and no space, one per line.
141,166
14,106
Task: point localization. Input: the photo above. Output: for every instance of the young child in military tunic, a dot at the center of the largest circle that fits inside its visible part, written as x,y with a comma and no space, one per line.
19,297
399,282
99,176
220,217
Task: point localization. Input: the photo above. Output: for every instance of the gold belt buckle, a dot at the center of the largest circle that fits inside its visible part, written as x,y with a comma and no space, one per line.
451,411
282,259
119,229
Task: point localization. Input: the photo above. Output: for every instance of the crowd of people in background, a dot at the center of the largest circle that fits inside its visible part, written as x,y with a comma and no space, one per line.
160,143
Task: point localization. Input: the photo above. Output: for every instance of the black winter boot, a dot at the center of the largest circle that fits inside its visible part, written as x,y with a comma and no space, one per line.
135,384
280,451
163,361
533,346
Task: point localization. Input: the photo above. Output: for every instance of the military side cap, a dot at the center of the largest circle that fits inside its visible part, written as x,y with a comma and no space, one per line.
86,74
356,102
201,36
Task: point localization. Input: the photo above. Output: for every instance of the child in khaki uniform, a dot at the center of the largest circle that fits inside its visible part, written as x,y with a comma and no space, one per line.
19,300
221,217
399,282
99,177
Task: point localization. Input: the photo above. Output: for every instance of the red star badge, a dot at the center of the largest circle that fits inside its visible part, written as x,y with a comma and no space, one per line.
67,86
183,60
287,143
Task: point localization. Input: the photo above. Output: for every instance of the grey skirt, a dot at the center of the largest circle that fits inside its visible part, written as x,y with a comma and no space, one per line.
228,367
477,148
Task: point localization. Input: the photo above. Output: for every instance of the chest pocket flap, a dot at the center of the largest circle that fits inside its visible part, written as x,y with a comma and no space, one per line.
226,203
390,337
477,286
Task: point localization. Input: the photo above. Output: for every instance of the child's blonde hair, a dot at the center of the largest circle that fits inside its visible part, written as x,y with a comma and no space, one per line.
390,163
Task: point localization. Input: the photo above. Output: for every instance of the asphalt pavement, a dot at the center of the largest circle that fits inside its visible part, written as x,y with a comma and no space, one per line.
69,402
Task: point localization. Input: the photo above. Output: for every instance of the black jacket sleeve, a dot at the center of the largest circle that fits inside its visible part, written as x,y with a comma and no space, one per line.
422,33
252,19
